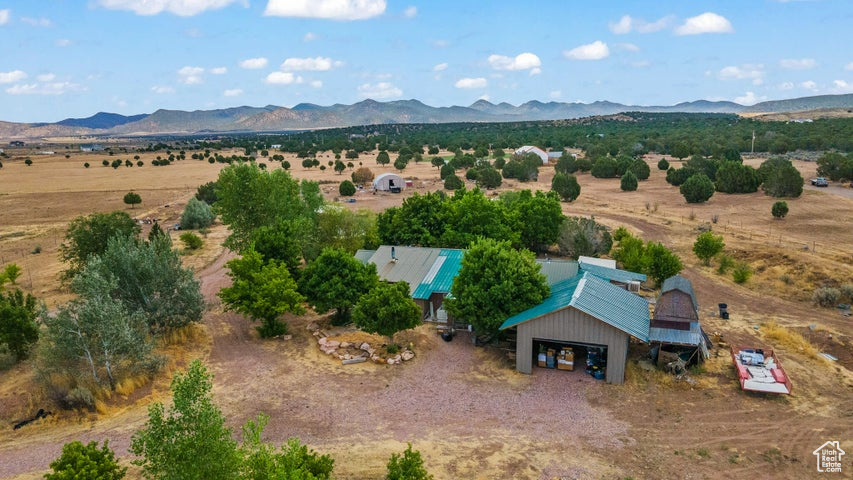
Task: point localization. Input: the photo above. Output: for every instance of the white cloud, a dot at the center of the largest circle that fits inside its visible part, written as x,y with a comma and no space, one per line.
317,64
379,91
555,94
37,22
233,92
63,42
49,88
4,16
485,97
326,9
743,72
309,37
13,76
440,67
842,86
317,83
282,78
219,70
190,75
749,99
786,86
478,82
535,71
440,43
591,51
798,63
707,22
809,85
522,61
254,63
627,24
183,8
410,12
161,89
641,64
849,66
46,77
627,47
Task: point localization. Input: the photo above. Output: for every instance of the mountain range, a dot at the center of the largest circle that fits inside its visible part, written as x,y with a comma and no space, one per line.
303,116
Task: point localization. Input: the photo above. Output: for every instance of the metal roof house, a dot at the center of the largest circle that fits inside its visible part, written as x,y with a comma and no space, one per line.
584,310
534,150
389,182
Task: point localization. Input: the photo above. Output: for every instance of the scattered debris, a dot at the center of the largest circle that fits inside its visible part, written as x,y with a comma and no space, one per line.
831,358
40,414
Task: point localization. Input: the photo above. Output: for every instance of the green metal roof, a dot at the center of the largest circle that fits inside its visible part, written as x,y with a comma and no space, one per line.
614,274
678,282
596,297
440,276
364,255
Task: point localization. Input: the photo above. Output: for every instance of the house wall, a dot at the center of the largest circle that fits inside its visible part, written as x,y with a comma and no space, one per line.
572,325
674,309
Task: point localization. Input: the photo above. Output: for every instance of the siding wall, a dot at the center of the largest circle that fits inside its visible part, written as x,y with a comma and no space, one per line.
572,325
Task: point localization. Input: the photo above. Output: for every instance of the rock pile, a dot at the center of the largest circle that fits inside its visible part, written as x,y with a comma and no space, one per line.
347,351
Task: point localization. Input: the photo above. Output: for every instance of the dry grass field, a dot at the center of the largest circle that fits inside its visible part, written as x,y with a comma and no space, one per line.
465,408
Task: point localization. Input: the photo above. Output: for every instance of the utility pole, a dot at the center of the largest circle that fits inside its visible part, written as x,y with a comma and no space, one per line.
752,150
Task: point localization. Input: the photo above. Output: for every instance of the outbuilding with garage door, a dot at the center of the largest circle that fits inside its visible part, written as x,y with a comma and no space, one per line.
588,311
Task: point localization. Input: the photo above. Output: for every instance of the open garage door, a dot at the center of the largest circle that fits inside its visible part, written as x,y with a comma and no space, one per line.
570,356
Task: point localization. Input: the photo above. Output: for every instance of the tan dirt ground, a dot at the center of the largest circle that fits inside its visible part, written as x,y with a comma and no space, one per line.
465,408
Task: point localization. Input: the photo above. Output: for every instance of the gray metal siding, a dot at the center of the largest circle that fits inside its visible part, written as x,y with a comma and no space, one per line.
572,325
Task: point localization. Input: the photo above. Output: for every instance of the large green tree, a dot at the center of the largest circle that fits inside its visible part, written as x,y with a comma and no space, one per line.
661,262
89,462
88,236
407,466
338,227
735,177
697,189
262,291
781,179
583,236
539,217
336,280
387,309
494,283
283,242
418,221
189,440
707,245
132,198
197,214
566,186
294,461
470,215
835,166
19,330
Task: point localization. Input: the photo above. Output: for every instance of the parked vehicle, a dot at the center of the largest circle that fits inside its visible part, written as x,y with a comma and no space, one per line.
820,182
759,370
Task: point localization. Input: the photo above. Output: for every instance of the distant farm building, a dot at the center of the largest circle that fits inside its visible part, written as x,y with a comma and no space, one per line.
16,143
527,149
91,147
389,182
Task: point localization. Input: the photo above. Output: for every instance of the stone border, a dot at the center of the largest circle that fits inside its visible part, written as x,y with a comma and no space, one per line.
350,353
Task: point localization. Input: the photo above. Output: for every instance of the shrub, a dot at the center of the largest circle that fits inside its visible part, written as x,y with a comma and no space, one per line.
191,241
847,292
488,177
781,179
628,182
726,262
86,461
604,167
741,273
407,466
583,164
471,174
663,164
132,198
779,209
583,236
734,177
566,164
566,186
707,245
446,171
28,162
362,176
139,163
452,182
346,188
697,189
826,296
524,169
197,214
641,169
105,163
677,176
86,165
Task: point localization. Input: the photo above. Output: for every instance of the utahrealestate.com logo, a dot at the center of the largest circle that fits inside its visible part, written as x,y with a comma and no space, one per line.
829,457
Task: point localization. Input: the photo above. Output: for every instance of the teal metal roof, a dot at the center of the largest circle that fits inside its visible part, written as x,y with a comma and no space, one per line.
677,282
364,255
440,276
556,271
596,297
613,274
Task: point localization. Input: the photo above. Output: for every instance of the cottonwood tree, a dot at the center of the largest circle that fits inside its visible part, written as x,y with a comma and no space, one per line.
407,466
336,280
294,461
340,228
539,217
494,283
88,236
197,214
387,309
282,242
707,245
262,291
19,330
189,440
89,462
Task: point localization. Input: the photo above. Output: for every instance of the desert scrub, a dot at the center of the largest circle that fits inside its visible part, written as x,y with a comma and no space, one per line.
826,296
789,339
726,262
741,273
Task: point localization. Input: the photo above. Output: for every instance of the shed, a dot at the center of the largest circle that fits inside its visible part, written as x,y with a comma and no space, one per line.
534,150
389,182
585,310
676,307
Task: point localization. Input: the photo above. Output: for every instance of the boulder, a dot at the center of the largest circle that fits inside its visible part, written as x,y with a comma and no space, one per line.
345,344
365,346
313,326
407,355
322,341
390,361
398,358
333,343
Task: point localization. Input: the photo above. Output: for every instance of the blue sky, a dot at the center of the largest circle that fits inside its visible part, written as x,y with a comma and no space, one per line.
73,58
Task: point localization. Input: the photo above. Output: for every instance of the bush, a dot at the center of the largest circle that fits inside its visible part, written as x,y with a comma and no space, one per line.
105,163
726,262
207,193
86,165
583,164
583,236
362,176
86,461
197,214
663,164
566,186
446,171
346,188
734,177
524,170
628,182
707,245
781,178
566,164
847,292
132,198
452,182
826,296
604,167
191,241
741,273
677,176
697,189
779,209
489,178
407,466
641,169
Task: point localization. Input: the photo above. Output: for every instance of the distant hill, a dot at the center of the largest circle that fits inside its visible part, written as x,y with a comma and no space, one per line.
100,120
370,112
